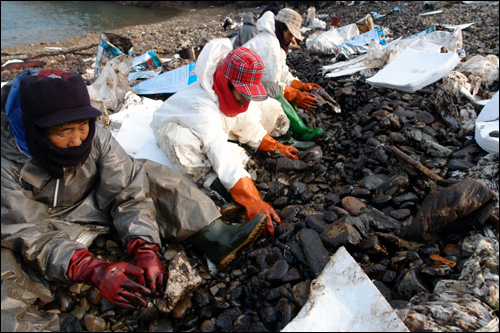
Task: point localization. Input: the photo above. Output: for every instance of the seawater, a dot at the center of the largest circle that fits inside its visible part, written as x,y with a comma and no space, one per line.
28,22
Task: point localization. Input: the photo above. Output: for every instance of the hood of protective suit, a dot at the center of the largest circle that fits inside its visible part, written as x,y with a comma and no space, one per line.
249,18
266,23
14,144
208,61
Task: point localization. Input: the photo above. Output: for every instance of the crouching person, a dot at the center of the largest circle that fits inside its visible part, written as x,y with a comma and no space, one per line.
198,126
61,172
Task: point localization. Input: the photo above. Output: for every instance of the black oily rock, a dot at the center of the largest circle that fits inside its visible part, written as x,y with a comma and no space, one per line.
277,271
316,255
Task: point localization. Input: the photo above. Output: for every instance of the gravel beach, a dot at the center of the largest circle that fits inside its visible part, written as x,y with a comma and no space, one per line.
349,191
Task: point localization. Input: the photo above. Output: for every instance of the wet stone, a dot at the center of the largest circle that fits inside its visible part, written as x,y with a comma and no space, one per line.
182,307
353,205
400,214
315,222
65,300
393,186
79,312
360,193
93,295
300,292
290,212
242,320
277,270
105,305
316,255
373,246
389,276
456,164
383,200
384,290
410,285
340,234
94,323
292,275
285,230
409,196
397,137
380,221
160,325
372,182
286,310
201,297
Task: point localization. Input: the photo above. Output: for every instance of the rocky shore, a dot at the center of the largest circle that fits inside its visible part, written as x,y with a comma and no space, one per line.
352,190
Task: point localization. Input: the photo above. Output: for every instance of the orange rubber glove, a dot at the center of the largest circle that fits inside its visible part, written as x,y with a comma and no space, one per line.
112,280
304,86
303,99
270,145
245,193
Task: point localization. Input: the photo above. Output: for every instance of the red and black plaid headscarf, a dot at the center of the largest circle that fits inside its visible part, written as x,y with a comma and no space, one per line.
243,68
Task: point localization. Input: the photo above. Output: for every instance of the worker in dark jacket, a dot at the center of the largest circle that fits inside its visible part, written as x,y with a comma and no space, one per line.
62,173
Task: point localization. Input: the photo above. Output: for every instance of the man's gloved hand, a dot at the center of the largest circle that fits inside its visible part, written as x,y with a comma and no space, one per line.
145,257
270,145
245,193
302,86
303,99
112,279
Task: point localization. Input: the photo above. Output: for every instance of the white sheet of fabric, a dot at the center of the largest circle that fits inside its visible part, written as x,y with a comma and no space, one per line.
487,122
196,107
343,299
267,46
412,70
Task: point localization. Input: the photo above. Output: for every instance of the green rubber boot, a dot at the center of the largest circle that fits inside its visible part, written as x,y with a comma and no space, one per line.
287,139
297,126
221,241
232,212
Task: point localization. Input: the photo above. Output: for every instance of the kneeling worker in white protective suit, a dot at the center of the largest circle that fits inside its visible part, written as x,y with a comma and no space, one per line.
193,126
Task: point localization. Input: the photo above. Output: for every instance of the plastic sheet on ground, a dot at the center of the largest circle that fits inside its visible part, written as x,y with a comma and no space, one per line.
343,299
360,44
326,42
169,82
145,66
412,70
378,55
486,125
134,117
110,46
111,86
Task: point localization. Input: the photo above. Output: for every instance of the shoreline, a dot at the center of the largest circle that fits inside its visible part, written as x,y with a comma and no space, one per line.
191,27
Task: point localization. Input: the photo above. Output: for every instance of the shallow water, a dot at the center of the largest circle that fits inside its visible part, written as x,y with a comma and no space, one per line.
27,22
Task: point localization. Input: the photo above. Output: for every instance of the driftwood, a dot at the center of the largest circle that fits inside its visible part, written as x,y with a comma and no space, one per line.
420,167
54,53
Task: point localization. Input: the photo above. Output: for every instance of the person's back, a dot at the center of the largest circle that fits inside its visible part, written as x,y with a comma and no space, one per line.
247,31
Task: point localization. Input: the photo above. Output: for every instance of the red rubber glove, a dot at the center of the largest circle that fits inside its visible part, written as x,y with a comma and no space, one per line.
270,145
303,99
145,257
111,279
304,86
245,193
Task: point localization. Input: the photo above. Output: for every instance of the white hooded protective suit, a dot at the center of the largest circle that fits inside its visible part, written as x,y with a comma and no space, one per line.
267,46
193,133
